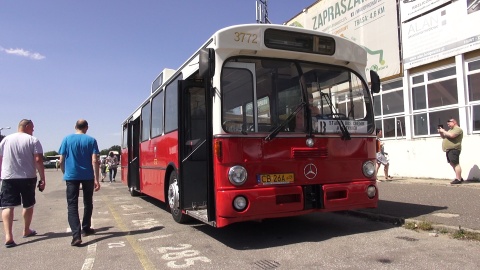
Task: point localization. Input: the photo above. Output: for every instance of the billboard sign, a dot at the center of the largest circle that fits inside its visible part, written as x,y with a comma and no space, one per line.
412,8
445,32
370,23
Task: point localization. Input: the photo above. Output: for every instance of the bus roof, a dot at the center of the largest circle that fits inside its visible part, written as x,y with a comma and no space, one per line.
343,43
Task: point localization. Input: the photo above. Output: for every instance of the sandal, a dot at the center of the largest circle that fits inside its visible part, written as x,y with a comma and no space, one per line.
10,244
32,233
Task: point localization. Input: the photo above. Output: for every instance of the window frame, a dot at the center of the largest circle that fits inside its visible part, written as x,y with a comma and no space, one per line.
425,113
475,104
397,86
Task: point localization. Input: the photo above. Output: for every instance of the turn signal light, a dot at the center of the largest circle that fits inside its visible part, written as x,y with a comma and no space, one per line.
217,149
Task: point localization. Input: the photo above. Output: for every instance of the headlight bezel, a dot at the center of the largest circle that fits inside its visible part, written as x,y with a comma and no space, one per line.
237,175
369,169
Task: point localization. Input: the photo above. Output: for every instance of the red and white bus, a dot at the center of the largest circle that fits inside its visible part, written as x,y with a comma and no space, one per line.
263,121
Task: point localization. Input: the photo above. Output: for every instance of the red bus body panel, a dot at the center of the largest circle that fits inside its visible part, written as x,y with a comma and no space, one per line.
339,164
339,173
155,156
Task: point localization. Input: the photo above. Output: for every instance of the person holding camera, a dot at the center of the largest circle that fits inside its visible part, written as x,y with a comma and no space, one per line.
21,156
452,146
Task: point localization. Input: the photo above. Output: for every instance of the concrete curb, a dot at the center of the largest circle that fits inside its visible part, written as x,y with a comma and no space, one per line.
399,221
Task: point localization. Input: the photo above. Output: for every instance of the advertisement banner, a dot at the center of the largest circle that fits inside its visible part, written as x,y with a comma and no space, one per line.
370,23
413,8
448,31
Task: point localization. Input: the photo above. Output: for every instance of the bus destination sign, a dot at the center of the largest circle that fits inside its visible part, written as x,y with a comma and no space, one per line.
332,126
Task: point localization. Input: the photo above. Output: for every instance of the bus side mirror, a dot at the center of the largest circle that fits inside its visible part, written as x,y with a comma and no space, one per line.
375,81
206,63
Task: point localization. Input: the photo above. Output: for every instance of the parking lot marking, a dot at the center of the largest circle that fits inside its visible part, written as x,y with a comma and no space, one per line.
90,260
154,237
142,256
137,213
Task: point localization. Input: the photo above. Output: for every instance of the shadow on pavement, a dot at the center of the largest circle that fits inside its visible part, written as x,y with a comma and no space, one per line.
397,212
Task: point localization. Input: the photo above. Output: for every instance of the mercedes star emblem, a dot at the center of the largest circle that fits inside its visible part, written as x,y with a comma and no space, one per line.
310,171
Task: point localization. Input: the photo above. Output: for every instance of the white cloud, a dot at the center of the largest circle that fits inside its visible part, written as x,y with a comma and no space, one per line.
24,53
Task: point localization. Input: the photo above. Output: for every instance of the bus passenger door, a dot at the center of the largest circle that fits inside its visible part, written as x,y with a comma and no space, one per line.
194,149
133,175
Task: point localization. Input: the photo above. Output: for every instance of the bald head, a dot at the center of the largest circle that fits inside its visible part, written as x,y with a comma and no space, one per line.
81,125
25,126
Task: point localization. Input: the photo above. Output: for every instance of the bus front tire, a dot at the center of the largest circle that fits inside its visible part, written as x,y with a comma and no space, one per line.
173,197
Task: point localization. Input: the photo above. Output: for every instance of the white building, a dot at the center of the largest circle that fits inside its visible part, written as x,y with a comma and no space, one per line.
427,53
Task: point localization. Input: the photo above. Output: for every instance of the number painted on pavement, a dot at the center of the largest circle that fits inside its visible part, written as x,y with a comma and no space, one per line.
181,256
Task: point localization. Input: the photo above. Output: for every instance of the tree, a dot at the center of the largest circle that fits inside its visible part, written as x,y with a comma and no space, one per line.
116,148
113,148
50,153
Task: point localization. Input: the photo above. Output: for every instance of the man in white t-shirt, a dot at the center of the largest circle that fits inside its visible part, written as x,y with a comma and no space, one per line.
21,156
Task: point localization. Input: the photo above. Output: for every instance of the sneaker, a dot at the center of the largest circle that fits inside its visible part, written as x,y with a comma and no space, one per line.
76,242
89,231
456,182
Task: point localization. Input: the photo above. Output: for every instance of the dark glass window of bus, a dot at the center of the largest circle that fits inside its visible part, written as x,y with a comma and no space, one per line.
157,115
146,122
171,105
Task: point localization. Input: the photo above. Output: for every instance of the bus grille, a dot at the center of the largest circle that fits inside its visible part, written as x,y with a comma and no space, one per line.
309,152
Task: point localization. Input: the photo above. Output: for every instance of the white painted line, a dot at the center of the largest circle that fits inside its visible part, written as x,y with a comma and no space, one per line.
137,213
446,215
88,264
90,260
154,237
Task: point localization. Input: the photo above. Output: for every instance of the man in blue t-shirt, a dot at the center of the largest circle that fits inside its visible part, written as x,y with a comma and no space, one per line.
79,164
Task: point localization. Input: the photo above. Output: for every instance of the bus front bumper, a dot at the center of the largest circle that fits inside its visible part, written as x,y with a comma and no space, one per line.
282,201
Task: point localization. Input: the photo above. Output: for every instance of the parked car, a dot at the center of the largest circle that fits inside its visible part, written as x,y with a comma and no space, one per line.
51,161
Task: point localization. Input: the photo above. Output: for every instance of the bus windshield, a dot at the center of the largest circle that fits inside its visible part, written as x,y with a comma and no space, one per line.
258,95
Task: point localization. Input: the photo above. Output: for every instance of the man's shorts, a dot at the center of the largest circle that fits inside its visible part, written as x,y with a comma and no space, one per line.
453,156
18,191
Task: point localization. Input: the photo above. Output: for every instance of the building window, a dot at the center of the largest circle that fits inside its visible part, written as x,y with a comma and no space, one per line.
392,127
389,110
473,89
434,100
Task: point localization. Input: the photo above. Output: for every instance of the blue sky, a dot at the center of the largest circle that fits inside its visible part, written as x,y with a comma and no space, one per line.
62,60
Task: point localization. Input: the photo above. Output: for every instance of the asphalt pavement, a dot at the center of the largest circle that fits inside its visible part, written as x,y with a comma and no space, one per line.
435,201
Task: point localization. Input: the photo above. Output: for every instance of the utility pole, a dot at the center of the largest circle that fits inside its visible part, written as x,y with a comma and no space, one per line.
3,129
262,11
1,136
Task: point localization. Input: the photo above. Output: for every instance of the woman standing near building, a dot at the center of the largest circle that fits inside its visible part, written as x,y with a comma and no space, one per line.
382,156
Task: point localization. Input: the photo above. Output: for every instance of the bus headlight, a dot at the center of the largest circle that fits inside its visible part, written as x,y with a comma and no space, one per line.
240,203
371,192
368,169
237,175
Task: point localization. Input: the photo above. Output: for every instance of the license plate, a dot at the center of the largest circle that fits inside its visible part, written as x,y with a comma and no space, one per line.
275,178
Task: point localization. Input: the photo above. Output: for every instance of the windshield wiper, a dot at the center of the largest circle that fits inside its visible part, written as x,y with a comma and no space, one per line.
341,125
275,132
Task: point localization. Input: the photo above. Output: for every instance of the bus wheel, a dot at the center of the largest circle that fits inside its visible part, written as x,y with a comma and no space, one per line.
174,199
